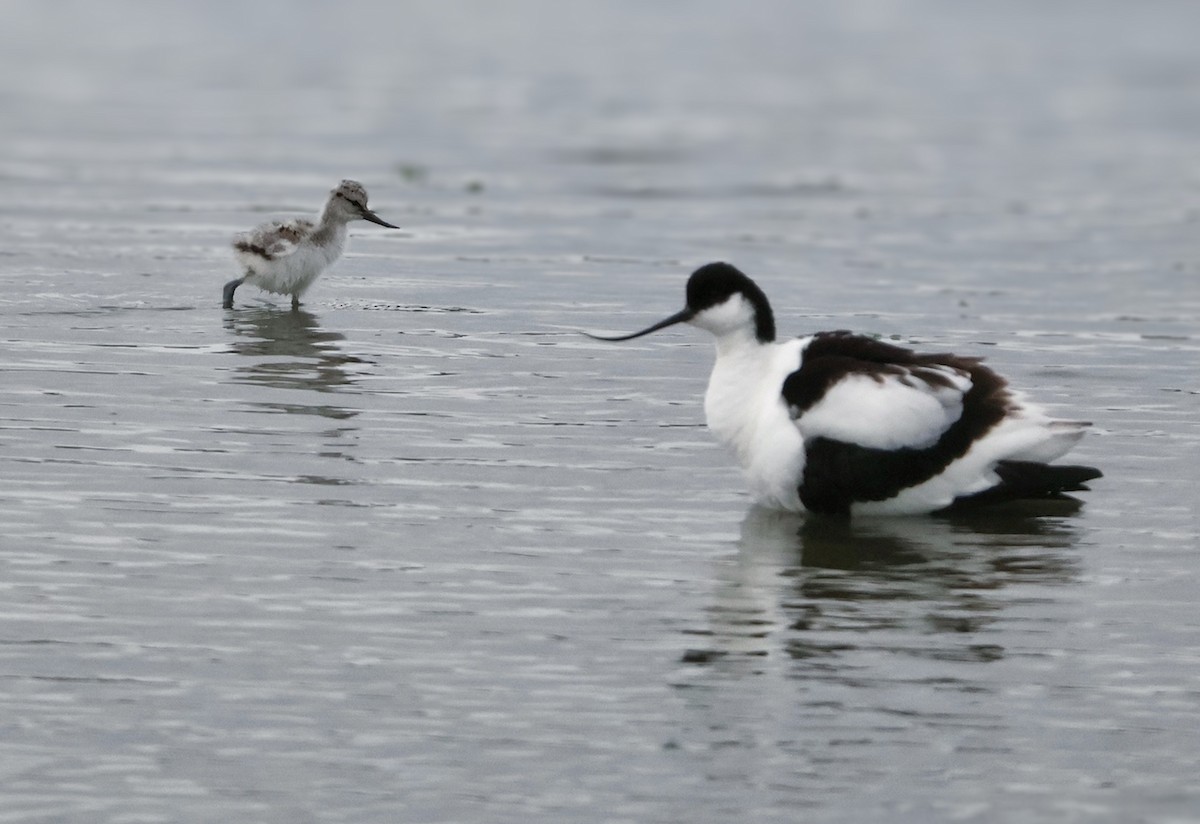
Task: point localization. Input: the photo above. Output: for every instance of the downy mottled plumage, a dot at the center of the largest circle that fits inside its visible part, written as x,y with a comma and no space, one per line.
285,257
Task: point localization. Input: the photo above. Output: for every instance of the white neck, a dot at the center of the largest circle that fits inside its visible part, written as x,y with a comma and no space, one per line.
333,217
736,380
738,341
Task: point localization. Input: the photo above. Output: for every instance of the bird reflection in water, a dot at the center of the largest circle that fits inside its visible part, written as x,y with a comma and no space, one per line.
817,590
290,350
298,364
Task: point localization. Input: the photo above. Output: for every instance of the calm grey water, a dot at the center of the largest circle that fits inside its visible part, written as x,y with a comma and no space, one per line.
423,553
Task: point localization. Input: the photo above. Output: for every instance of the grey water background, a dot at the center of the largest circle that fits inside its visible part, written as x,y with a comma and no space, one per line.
420,552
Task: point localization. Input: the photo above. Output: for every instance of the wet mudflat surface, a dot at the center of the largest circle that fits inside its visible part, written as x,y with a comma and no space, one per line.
422,552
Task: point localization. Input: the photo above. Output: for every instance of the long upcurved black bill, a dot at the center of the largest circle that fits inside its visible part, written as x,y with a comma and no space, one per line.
681,316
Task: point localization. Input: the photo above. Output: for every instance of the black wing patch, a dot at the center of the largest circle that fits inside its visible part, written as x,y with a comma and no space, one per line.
1028,480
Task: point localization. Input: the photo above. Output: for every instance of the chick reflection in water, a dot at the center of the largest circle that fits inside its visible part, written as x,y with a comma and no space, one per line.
290,350
825,589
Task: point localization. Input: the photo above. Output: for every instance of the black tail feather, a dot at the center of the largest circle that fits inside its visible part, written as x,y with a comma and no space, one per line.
1025,480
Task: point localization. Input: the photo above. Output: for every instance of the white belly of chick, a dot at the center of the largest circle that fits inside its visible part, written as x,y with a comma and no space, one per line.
294,273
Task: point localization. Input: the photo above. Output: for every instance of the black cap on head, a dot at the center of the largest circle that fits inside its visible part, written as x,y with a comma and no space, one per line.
709,286
715,283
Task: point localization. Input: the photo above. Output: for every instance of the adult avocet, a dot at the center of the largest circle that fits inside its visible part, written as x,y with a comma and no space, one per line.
838,423
285,257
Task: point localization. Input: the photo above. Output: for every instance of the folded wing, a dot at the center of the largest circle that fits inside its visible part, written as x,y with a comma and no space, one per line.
866,392
877,418
274,240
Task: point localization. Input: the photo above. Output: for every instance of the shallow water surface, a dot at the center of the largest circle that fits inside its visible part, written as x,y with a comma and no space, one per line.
421,552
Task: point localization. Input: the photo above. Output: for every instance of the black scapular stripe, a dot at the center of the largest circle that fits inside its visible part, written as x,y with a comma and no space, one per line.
831,356
253,249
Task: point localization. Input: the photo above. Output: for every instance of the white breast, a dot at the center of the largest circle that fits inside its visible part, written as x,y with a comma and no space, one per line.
310,261
746,412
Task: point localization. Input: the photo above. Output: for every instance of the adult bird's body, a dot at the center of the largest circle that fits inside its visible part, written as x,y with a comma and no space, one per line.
838,423
285,257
